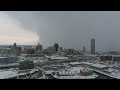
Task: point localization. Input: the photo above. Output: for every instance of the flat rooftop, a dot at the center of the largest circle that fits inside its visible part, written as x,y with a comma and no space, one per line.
3,57
74,63
93,76
99,65
54,57
88,63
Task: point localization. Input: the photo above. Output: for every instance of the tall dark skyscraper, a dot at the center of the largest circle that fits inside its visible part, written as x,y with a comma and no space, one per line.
56,46
84,49
39,47
92,46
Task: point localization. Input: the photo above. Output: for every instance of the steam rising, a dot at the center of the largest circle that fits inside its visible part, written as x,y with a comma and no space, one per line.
69,29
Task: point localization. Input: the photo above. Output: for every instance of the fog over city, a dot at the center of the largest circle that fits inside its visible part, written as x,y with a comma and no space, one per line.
71,29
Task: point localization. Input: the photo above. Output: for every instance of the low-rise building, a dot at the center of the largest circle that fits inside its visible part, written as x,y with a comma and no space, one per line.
51,50
8,60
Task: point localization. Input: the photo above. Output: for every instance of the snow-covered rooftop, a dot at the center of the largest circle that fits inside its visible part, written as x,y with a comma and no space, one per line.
88,63
9,64
99,65
3,57
36,61
56,57
93,76
76,69
60,57
116,74
71,71
74,63
109,70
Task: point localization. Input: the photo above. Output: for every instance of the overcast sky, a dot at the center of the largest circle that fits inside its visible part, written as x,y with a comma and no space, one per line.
71,29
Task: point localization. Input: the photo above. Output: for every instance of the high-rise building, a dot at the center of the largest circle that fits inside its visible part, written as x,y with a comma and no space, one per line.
39,47
14,45
84,49
60,50
92,46
56,46
15,50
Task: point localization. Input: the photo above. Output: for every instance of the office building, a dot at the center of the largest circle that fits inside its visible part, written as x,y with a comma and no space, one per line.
15,50
56,46
39,47
84,49
51,50
92,46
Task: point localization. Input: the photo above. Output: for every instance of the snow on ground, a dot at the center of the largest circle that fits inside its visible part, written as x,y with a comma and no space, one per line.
7,73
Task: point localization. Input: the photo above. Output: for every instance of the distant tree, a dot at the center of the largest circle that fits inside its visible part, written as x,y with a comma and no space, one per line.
26,65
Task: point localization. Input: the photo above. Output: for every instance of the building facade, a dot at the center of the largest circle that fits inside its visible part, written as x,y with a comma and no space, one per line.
92,46
51,50
56,46
84,49
60,50
15,50
39,47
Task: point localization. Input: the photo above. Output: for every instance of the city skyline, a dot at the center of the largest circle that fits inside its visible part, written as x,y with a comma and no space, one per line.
72,29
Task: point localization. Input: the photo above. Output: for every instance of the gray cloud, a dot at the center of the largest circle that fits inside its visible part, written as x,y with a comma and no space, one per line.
73,29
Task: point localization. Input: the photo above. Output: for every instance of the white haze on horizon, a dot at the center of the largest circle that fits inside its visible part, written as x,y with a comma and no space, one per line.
11,32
